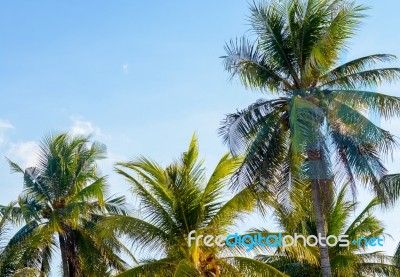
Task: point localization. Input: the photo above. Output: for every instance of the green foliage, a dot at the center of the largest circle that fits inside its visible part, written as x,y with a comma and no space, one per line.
295,55
63,199
176,200
316,132
295,216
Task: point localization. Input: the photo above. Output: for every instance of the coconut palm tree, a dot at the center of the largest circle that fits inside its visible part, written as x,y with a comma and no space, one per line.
317,126
63,198
295,217
17,254
176,200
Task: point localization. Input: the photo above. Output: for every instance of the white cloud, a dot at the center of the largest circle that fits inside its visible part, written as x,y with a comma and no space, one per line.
4,126
23,153
125,68
83,127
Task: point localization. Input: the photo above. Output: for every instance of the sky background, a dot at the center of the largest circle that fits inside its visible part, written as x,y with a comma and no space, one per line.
141,76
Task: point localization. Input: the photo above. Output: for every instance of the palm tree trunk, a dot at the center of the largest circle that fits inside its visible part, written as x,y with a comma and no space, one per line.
64,256
70,246
71,254
320,223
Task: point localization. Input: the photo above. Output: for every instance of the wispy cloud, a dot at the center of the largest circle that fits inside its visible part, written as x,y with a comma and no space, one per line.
5,125
125,68
83,127
23,153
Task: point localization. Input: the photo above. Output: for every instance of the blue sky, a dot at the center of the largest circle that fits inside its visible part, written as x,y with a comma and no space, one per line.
142,76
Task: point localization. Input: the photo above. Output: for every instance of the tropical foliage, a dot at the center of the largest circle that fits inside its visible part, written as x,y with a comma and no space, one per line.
63,199
317,128
16,252
299,152
179,199
295,217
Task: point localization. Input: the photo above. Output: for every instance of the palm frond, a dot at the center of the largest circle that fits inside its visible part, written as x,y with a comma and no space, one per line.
240,204
357,65
363,79
390,185
160,268
244,59
186,269
145,235
251,267
385,105
269,23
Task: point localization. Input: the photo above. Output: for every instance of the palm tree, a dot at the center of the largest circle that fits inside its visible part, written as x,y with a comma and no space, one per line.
355,260
176,201
64,198
317,128
17,253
